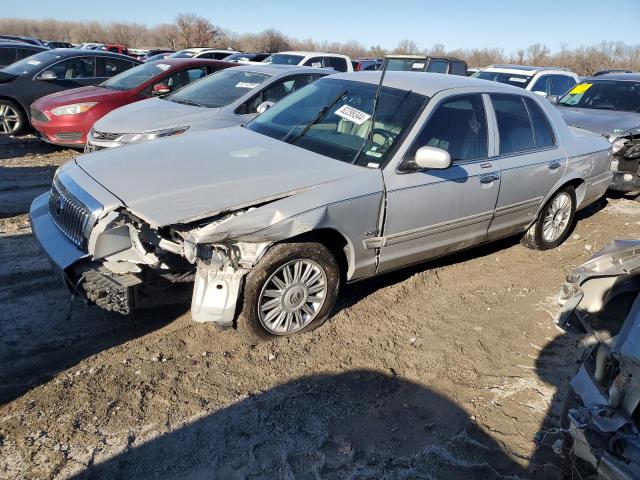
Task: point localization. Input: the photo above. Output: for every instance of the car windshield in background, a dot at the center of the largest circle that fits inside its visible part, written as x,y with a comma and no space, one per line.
182,54
239,57
604,95
283,59
219,89
406,64
510,79
31,64
135,76
333,118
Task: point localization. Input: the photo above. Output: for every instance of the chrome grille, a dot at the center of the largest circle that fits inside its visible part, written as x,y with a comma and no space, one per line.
69,136
68,213
104,135
38,116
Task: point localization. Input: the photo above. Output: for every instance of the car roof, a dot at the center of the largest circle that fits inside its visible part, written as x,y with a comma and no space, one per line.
176,62
310,54
71,52
631,77
208,49
424,83
272,69
424,57
5,43
522,69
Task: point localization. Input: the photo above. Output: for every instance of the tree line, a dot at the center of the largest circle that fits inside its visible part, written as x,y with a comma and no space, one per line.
189,30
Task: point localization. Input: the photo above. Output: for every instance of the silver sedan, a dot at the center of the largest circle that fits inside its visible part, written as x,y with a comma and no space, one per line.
340,181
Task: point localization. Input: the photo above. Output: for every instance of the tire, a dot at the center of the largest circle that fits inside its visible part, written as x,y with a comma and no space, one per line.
537,238
13,120
267,286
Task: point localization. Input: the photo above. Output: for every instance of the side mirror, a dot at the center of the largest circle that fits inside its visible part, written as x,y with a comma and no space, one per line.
432,158
264,106
160,89
541,93
47,75
554,99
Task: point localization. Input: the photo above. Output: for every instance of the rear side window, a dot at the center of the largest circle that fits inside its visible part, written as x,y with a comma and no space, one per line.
438,66
108,67
542,133
514,126
24,53
7,56
459,126
337,63
82,67
314,62
561,84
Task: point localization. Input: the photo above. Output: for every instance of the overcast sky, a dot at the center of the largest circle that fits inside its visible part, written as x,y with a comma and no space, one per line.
456,24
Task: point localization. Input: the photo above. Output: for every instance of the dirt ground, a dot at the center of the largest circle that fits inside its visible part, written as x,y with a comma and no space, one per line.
453,369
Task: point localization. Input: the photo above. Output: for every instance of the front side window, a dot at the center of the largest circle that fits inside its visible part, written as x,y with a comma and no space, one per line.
317,62
284,59
509,78
219,89
438,66
542,85
109,67
75,68
334,118
136,76
604,95
24,53
560,84
459,126
542,133
276,92
514,126
7,56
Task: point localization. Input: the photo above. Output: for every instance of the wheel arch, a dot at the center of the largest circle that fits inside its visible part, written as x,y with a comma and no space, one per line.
578,184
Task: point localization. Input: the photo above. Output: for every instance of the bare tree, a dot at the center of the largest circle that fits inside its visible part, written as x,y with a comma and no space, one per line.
195,31
274,41
406,47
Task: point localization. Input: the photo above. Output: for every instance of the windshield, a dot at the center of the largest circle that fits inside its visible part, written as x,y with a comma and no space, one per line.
31,64
333,118
183,54
283,59
605,95
239,57
509,78
406,64
136,76
219,89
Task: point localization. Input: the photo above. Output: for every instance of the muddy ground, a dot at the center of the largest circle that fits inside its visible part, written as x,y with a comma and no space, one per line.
453,369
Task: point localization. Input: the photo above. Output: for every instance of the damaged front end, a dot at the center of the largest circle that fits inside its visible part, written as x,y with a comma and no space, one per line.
602,300
626,161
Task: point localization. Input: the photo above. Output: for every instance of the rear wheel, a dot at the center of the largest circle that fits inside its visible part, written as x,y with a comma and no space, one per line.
12,119
292,289
554,222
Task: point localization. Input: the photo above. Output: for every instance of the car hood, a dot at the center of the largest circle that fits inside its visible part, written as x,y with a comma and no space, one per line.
78,95
605,122
153,114
187,178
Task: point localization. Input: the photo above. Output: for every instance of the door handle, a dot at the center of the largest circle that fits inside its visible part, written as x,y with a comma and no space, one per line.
492,177
554,165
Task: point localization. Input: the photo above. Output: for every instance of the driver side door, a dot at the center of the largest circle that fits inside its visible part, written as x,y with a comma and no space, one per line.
434,212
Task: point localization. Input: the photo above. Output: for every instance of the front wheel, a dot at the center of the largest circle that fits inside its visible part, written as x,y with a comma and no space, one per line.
12,118
554,222
292,289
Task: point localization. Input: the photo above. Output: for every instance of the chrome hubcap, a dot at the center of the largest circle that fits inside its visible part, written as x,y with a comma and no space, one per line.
292,297
557,219
9,119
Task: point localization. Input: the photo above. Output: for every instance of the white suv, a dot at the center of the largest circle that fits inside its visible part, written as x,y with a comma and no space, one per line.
340,63
545,81
211,53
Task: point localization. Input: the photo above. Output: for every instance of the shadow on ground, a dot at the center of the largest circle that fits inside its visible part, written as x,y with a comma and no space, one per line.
361,424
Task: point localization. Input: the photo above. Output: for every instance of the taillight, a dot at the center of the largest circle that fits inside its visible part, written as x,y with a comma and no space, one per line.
358,67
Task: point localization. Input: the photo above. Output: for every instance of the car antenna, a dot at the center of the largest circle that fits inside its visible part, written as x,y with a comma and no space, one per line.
374,111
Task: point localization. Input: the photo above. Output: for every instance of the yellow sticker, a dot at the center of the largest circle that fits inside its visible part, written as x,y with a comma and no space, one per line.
580,88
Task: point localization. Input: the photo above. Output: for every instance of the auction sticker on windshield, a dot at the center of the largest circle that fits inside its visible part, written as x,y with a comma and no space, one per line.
246,85
353,114
580,88
163,66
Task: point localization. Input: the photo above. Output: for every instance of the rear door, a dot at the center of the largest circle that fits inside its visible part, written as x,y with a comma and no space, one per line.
529,159
70,73
434,212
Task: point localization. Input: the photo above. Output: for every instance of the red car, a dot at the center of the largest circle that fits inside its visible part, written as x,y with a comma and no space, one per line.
65,118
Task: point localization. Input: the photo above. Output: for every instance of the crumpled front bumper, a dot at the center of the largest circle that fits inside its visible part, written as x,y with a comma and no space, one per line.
625,182
61,251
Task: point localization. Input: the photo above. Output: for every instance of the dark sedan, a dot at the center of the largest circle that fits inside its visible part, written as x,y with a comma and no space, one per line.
11,52
48,72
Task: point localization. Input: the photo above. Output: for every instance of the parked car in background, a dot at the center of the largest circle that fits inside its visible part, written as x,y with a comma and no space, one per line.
211,53
23,39
269,219
11,52
158,56
601,300
610,105
545,81
91,46
421,63
65,118
48,72
472,70
54,44
227,98
614,70
246,57
340,63
114,48
366,64
149,54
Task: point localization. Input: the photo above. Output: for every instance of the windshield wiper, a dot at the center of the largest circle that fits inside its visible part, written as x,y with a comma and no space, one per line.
321,113
187,102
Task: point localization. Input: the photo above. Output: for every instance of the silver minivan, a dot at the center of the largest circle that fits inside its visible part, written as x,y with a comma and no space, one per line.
340,181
